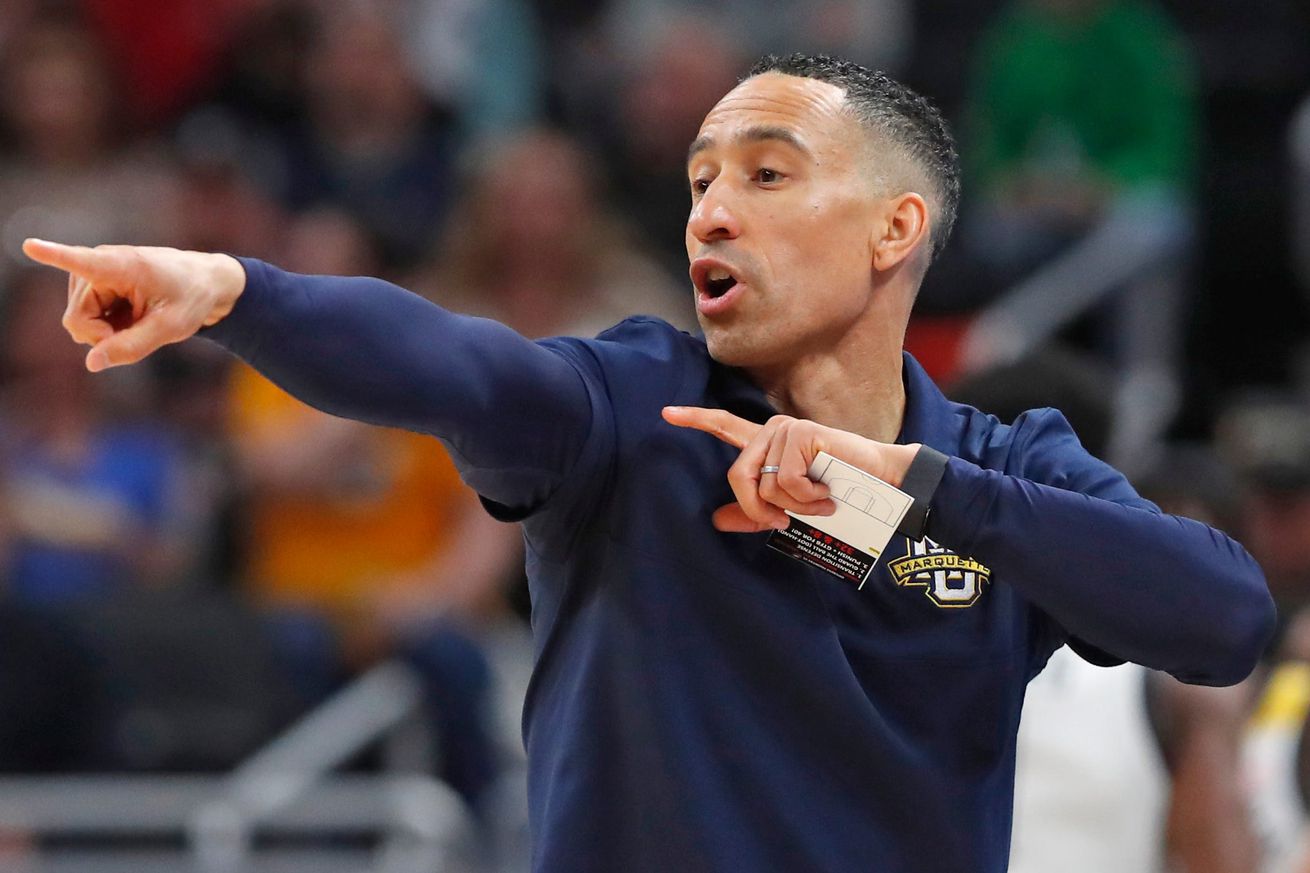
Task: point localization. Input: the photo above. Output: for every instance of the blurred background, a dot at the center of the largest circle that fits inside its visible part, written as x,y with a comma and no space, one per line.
237,634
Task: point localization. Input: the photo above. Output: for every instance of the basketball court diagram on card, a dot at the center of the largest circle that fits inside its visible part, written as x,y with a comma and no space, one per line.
858,496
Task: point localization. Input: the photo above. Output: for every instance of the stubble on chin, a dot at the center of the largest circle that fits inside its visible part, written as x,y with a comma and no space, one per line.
719,342
736,346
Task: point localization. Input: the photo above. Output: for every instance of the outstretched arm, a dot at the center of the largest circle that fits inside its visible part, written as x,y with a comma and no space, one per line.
1160,590
1163,591
515,413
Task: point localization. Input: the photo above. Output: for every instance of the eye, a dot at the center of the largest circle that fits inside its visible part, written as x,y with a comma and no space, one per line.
699,186
766,176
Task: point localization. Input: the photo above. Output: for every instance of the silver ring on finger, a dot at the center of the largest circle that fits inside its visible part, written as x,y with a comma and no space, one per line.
769,468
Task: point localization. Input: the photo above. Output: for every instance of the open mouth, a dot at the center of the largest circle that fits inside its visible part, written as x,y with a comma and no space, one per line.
712,280
718,283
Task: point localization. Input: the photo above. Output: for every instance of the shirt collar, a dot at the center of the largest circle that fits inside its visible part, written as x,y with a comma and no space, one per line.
930,418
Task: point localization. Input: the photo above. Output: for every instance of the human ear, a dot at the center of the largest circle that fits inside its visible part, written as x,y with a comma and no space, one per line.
905,229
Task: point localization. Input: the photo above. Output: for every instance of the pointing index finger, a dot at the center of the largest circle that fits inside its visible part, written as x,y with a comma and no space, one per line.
721,423
79,260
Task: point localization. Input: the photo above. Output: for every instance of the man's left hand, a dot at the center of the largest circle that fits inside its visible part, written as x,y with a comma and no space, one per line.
790,444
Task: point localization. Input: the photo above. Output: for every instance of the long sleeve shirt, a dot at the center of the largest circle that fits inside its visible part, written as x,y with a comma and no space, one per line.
701,702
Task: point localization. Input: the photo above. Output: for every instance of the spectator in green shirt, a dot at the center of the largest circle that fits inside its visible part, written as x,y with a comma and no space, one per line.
1077,101
1082,145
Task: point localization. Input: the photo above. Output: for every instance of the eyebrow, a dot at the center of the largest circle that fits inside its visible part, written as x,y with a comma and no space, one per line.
758,133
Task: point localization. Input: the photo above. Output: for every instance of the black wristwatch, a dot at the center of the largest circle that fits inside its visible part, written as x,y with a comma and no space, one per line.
920,482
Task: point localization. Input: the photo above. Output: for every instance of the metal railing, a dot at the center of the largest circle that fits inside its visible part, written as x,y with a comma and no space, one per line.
280,810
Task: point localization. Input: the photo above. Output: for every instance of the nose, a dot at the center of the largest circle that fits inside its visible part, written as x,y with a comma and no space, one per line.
712,217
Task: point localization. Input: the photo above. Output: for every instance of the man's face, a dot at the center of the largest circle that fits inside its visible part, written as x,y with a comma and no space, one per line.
782,223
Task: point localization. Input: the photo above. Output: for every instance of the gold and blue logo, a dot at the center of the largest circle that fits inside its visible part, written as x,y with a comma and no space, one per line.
951,581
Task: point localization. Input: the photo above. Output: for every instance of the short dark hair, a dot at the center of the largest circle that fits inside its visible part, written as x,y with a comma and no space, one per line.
906,118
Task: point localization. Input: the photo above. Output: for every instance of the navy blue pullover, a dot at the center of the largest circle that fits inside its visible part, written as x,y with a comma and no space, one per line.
701,702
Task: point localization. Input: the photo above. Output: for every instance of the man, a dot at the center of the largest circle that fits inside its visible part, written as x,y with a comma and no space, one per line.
701,701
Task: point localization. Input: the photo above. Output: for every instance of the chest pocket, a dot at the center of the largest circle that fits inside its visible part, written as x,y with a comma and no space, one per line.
923,601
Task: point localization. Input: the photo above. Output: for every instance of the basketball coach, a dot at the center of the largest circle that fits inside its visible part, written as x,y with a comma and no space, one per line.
702,701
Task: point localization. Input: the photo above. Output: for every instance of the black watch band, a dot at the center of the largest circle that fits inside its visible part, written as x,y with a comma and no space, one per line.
920,482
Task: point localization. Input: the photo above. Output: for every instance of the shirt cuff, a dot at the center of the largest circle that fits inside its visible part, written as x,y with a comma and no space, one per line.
242,330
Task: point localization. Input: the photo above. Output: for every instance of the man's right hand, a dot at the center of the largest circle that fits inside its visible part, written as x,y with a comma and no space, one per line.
127,301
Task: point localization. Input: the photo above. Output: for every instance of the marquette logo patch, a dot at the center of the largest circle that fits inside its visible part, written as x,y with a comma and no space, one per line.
949,580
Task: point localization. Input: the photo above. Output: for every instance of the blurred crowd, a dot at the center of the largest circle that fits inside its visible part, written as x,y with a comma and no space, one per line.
190,559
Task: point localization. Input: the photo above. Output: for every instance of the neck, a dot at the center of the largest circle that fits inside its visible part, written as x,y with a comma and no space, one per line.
855,386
